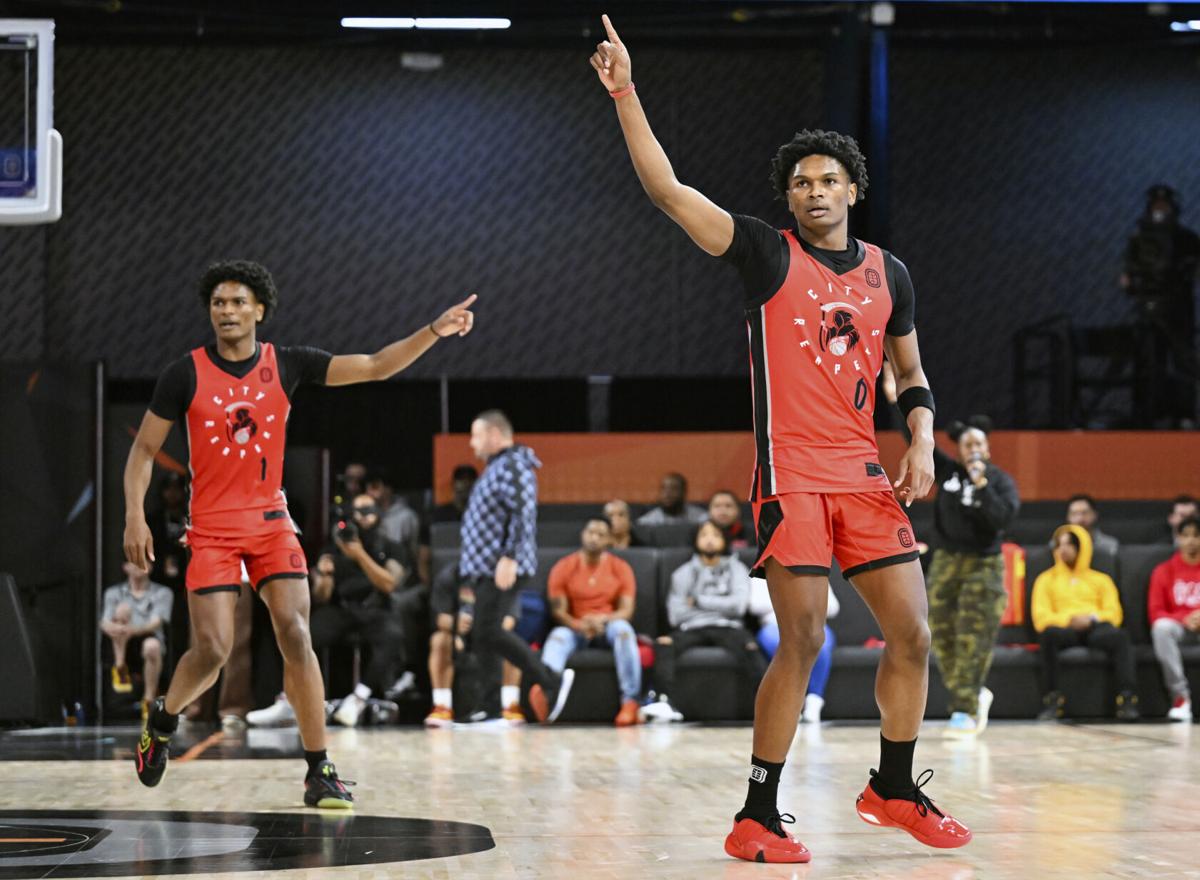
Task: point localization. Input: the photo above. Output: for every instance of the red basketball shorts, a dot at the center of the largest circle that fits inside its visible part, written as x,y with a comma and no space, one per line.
803,531
215,564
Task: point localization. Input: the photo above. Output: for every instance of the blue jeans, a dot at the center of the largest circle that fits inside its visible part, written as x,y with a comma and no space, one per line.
768,640
618,635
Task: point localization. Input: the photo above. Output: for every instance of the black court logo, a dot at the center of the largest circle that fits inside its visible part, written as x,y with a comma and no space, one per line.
266,374
905,536
873,278
295,560
122,843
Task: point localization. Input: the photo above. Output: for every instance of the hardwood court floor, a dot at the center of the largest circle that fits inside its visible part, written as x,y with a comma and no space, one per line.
1044,801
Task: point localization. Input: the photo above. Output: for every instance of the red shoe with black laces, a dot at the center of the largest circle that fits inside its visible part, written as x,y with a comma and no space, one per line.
919,817
755,842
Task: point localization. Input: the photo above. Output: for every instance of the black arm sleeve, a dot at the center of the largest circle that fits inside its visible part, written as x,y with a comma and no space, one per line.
901,322
302,365
174,389
757,253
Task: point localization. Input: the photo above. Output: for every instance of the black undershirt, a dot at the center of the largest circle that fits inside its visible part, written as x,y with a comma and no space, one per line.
298,365
761,255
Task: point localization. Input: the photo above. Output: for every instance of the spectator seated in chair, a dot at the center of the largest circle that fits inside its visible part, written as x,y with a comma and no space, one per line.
1174,612
1081,511
592,594
1182,507
353,585
452,603
725,510
1074,605
620,522
673,505
709,596
135,615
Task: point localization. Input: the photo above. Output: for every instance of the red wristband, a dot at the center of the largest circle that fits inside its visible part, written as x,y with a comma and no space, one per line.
622,92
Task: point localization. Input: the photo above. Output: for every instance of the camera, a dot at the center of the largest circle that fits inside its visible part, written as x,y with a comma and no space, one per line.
341,514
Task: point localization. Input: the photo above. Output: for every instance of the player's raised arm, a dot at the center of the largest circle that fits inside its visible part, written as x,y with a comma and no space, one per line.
346,369
139,545
709,226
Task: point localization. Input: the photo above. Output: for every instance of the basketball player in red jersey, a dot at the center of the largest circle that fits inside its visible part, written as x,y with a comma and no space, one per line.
822,310
233,397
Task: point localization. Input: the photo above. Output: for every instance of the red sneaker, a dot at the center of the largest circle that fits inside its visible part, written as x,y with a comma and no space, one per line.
755,842
920,818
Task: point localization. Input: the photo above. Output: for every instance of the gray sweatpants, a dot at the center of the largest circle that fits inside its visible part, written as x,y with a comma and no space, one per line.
1168,635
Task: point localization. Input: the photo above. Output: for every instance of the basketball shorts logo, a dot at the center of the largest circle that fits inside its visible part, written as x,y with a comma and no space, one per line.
906,538
295,560
757,774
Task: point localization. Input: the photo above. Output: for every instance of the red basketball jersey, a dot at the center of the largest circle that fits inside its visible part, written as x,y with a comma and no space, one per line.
816,348
236,430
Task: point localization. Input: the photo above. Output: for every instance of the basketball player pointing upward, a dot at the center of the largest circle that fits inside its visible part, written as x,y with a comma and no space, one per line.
233,397
822,310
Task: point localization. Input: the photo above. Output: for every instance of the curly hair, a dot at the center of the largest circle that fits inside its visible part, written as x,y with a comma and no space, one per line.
816,142
253,275
979,423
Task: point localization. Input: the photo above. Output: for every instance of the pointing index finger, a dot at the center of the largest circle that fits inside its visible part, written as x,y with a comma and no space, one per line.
466,303
612,33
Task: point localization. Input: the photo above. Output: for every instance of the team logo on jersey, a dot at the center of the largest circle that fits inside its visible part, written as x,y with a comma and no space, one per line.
246,425
838,334
872,278
239,423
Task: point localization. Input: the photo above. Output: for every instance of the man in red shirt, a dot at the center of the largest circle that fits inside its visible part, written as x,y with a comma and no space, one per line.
592,594
1174,609
233,397
822,309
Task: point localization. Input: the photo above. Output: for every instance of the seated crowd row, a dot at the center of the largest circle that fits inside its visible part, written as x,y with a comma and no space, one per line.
377,589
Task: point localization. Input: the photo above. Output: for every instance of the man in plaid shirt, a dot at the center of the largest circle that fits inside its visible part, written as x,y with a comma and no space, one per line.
499,555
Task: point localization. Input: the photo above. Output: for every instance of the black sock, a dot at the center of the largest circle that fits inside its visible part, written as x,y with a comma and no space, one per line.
162,720
895,777
762,792
314,760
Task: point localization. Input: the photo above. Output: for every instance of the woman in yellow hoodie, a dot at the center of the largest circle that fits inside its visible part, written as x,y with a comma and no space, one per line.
1075,606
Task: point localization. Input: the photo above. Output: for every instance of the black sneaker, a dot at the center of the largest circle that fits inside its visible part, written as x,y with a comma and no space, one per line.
323,789
1127,706
152,750
1053,705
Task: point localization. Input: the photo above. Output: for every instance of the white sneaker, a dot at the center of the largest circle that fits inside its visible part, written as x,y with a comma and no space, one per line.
400,685
985,706
1181,709
232,723
813,705
660,711
350,710
277,714
960,725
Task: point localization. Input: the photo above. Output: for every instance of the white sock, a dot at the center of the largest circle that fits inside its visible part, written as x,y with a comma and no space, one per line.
443,697
510,695
362,692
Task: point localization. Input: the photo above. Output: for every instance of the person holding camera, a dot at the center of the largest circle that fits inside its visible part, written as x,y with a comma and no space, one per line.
1159,272
352,593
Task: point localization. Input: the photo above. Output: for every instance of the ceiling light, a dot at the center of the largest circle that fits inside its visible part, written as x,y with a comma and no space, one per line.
458,24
